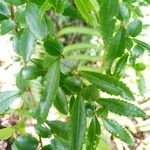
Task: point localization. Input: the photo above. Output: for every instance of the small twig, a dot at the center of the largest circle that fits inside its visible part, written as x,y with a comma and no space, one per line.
31,97
12,11
24,99
41,144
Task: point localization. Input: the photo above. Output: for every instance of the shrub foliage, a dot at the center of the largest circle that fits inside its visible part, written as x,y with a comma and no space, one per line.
52,41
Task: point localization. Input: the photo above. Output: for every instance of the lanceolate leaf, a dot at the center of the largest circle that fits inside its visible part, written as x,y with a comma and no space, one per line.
61,102
73,84
141,83
53,46
80,30
142,44
6,99
79,46
86,9
68,66
116,47
93,136
120,66
78,124
91,93
108,9
108,84
121,107
59,128
6,133
118,131
26,44
72,12
51,90
36,24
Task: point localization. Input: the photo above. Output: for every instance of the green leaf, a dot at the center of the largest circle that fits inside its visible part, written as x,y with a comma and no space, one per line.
59,128
85,68
124,13
71,102
108,84
87,10
50,26
73,84
142,44
128,43
37,25
51,89
58,5
44,8
56,144
20,15
138,51
118,131
59,145
27,44
103,112
38,2
91,93
48,61
90,109
84,57
78,124
21,81
68,66
6,99
140,67
120,66
72,12
15,2
93,135
53,46
79,46
4,11
43,132
6,133
141,83
134,28
148,1
32,72
25,142
121,107
108,10
21,127
47,147
116,47
132,60
7,26
61,102
80,30
137,11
